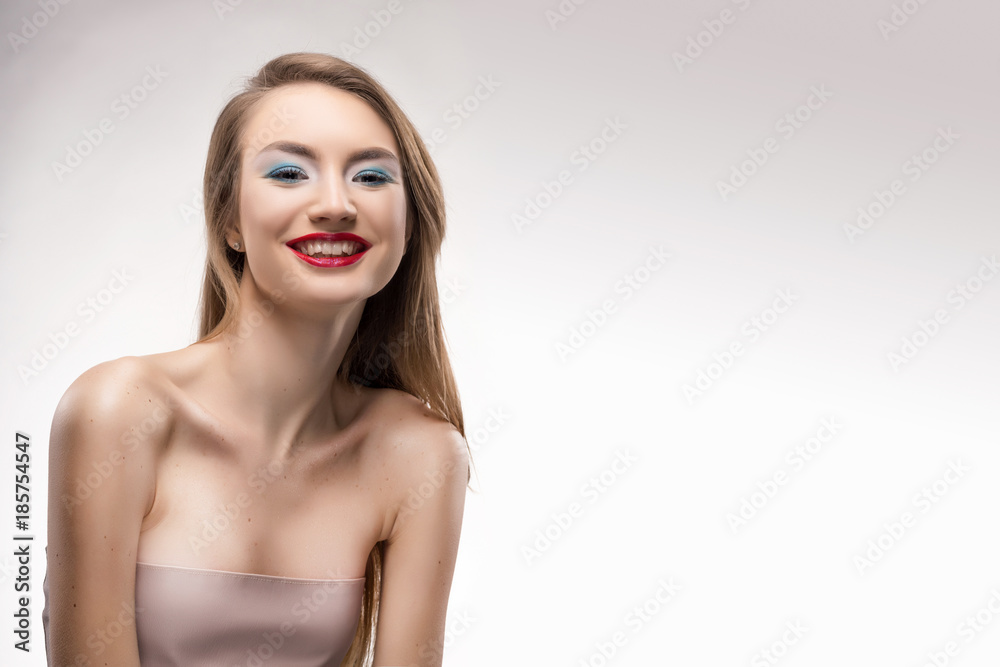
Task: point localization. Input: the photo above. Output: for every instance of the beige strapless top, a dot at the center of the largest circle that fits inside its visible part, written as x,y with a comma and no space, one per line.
189,617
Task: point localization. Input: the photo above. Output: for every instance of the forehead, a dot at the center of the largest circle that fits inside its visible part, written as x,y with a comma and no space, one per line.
317,115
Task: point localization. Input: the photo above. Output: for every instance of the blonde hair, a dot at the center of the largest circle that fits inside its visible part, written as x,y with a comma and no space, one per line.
386,351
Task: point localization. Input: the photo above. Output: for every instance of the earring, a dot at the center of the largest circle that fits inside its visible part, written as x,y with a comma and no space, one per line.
236,246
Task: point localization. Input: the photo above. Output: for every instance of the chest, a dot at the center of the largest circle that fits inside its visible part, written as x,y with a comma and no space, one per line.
311,515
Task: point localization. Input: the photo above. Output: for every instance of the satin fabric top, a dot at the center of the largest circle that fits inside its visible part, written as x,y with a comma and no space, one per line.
190,617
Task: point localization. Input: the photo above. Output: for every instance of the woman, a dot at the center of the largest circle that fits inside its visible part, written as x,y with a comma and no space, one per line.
290,488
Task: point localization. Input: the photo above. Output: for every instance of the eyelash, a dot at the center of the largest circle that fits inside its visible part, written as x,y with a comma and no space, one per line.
285,169
276,174
384,177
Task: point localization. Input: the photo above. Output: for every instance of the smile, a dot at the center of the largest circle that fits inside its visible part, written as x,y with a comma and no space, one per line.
329,250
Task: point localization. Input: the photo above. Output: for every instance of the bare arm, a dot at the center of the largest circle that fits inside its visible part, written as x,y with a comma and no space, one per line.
101,483
420,553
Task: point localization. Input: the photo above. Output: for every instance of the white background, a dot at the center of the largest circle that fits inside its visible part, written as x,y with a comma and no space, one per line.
516,294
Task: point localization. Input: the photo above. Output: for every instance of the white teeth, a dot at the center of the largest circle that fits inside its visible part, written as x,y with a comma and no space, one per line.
332,248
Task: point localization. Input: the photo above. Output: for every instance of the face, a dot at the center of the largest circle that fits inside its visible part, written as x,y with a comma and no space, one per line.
322,206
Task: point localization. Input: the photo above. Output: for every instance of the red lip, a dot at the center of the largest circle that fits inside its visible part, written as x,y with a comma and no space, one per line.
328,262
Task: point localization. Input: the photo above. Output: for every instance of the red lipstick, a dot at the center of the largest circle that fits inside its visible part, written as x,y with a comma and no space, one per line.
328,262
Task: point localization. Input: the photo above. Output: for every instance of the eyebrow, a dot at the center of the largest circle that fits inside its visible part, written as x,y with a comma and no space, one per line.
373,153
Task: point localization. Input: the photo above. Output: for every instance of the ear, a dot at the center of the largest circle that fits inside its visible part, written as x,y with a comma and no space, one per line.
232,235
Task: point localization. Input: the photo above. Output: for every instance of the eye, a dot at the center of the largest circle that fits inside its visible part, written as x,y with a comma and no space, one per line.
373,177
287,173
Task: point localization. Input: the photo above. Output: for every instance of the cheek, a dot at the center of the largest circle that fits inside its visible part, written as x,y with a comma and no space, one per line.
391,214
262,209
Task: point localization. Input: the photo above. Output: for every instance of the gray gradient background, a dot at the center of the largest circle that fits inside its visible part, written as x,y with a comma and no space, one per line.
521,293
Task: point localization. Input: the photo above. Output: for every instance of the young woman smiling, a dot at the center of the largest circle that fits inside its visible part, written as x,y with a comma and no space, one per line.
292,485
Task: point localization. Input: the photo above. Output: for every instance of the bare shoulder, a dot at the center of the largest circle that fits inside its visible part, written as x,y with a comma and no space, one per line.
113,389
421,453
109,410
411,432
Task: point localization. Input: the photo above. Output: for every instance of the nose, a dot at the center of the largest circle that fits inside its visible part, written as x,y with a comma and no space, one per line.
332,202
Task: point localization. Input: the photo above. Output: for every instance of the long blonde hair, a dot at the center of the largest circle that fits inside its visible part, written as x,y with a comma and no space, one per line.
400,341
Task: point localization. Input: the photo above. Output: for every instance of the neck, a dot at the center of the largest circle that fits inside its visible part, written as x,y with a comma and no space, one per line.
280,369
